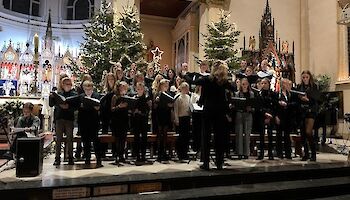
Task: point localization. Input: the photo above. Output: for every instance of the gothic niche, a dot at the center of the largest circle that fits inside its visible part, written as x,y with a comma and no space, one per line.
280,59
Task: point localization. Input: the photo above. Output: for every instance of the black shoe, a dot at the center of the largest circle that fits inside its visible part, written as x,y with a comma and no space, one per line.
99,163
240,157
77,156
245,157
70,162
271,158
204,166
57,162
260,158
313,158
304,158
219,167
87,162
288,157
8,155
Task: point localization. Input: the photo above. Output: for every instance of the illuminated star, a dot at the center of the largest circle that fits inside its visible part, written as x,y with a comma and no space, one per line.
157,54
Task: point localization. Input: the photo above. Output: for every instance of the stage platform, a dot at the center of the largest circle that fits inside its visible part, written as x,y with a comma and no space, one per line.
177,180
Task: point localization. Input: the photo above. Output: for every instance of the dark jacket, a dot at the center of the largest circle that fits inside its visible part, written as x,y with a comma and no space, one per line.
213,96
88,115
66,114
267,102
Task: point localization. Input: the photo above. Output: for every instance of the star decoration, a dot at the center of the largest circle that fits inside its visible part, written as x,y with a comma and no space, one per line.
157,54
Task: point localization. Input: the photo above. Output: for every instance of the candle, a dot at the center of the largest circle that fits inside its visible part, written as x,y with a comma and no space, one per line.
36,43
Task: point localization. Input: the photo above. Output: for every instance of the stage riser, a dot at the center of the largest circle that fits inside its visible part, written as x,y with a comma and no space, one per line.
215,179
309,192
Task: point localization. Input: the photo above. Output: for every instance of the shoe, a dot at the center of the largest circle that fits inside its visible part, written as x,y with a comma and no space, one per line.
260,158
204,167
245,157
8,155
77,156
87,162
289,158
271,158
70,161
116,162
122,160
313,159
304,158
57,162
219,167
99,163
240,157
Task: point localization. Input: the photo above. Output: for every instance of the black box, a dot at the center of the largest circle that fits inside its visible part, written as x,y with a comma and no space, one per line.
29,157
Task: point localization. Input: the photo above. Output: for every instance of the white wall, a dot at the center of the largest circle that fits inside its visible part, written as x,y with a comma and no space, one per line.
159,29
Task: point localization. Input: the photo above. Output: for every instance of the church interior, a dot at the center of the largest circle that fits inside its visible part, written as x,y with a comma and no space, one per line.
41,39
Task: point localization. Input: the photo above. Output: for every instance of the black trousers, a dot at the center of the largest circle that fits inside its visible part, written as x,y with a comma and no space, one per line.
196,130
262,128
213,120
184,137
140,136
283,143
88,135
162,136
119,131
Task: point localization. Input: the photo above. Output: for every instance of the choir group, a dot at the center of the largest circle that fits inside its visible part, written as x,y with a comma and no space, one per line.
203,108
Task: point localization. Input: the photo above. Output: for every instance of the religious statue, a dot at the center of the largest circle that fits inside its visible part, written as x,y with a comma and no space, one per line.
7,87
285,46
252,43
150,47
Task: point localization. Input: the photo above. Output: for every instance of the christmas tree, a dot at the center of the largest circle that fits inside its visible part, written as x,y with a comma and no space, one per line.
99,42
129,36
220,41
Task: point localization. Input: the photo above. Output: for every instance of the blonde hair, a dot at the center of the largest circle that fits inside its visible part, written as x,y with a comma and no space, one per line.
117,86
88,83
220,72
161,83
106,87
184,85
155,84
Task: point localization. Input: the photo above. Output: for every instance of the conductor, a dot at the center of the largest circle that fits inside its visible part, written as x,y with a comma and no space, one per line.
215,107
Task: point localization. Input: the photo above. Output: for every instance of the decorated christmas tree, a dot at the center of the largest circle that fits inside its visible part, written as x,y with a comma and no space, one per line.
129,36
99,42
220,41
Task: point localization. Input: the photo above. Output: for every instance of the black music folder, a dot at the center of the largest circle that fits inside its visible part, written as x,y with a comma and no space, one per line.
168,98
60,99
131,101
88,101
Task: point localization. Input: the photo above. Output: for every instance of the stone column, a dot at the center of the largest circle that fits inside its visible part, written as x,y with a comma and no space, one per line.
304,38
343,58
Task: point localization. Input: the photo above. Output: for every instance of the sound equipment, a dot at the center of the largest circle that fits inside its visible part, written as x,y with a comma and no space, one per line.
29,156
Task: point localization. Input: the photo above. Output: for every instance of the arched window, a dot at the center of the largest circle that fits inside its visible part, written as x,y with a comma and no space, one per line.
80,9
28,7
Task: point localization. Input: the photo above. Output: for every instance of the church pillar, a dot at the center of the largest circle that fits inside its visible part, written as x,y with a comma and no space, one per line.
343,59
209,11
304,39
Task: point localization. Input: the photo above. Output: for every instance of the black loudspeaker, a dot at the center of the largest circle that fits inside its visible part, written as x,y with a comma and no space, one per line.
29,157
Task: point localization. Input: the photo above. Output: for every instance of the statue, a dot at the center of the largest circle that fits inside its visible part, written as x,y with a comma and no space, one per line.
7,87
150,47
252,43
285,46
